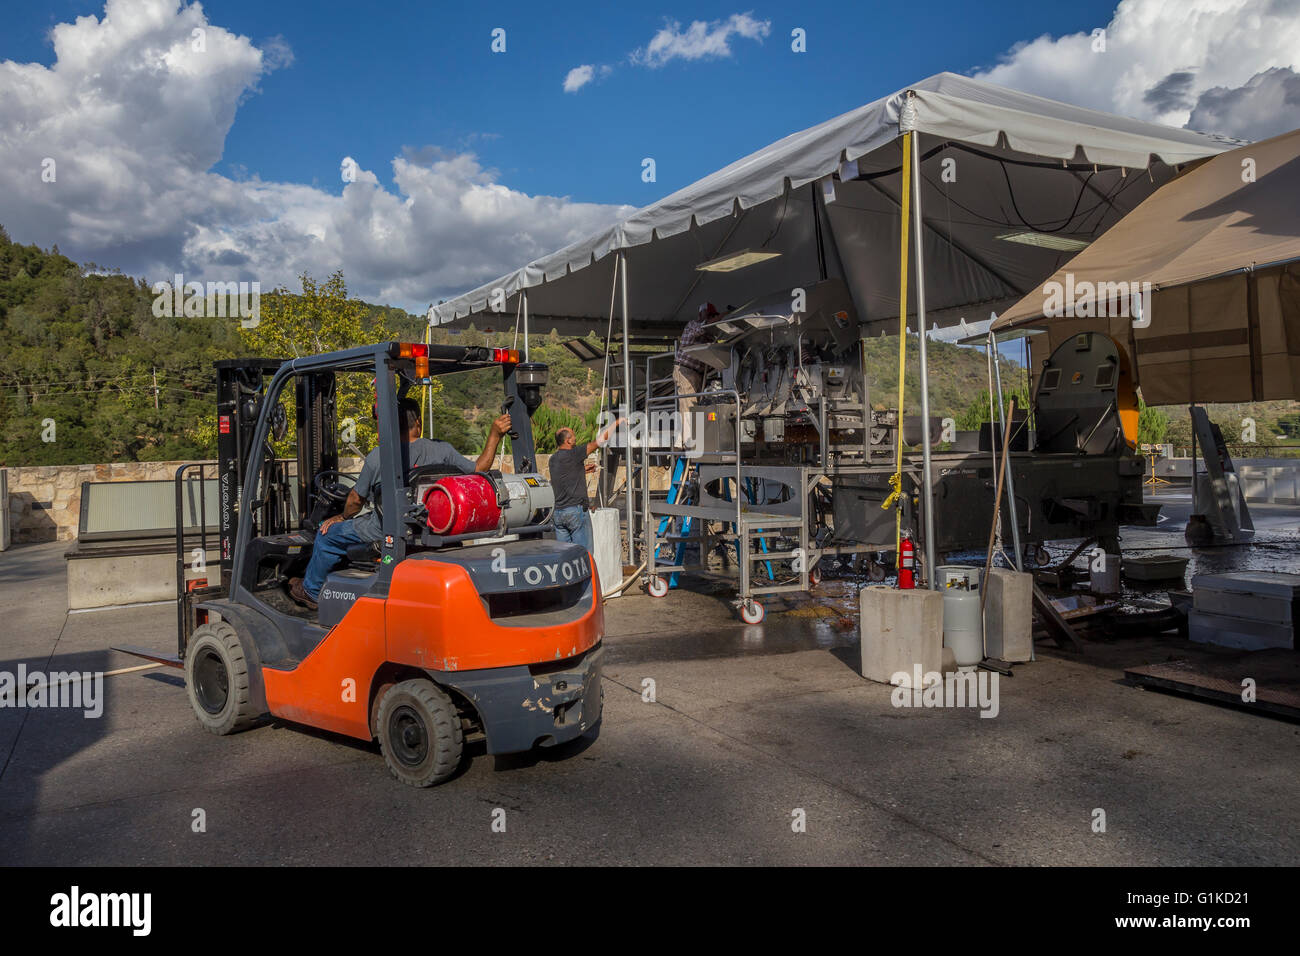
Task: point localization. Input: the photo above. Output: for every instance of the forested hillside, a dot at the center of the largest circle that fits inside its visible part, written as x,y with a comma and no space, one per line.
88,373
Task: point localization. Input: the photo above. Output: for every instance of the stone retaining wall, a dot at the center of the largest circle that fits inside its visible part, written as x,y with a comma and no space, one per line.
45,500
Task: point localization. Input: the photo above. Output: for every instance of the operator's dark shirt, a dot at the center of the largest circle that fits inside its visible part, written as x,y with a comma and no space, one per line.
569,477
367,525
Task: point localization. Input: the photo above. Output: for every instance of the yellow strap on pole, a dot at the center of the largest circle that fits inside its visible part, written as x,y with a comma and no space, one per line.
896,479
428,389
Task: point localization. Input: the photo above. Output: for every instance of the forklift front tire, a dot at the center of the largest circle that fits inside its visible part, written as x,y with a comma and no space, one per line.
216,679
419,733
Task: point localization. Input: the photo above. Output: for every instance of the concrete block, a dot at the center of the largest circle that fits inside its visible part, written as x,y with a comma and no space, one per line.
1009,615
900,631
110,580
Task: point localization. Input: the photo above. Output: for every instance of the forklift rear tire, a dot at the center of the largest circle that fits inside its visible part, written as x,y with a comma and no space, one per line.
419,733
216,679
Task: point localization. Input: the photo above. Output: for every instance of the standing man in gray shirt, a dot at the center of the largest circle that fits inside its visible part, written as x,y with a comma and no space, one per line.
569,467
337,534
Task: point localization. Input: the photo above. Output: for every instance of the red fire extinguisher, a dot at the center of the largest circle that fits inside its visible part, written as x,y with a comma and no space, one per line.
906,561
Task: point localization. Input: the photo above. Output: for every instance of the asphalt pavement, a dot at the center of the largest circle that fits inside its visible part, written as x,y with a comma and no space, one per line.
751,732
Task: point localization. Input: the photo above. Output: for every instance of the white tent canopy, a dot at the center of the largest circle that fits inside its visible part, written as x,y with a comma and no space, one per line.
995,162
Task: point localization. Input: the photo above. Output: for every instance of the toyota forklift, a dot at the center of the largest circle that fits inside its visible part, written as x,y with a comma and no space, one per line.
467,622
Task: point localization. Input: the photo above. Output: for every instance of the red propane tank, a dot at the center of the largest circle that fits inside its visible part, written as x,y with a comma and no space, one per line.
906,562
462,504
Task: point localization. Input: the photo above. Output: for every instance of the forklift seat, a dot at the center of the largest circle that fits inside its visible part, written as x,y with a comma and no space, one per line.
281,550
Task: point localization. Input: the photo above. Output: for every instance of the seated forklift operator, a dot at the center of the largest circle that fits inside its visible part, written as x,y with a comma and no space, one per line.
340,532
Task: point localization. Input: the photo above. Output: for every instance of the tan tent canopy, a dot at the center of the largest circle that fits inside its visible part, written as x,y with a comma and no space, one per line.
1220,247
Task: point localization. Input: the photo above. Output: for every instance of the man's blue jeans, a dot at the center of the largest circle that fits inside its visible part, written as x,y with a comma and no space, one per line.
329,551
572,524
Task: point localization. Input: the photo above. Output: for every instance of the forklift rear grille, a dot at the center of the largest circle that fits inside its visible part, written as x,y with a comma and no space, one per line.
531,608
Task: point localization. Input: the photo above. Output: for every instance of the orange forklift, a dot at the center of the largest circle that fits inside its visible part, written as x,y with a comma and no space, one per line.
468,622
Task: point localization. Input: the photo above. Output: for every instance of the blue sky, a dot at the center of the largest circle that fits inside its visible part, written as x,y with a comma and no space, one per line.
368,80
231,160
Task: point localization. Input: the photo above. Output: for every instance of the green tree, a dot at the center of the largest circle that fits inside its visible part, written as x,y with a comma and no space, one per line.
322,318
976,412
1153,424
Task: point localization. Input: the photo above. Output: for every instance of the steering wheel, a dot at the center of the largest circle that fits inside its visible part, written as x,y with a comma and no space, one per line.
329,485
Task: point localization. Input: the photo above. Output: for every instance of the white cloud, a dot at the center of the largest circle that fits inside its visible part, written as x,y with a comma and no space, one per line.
579,77
135,118
1268,104
700,40
1203,63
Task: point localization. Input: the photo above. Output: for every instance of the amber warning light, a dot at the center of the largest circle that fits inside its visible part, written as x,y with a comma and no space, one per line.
418,351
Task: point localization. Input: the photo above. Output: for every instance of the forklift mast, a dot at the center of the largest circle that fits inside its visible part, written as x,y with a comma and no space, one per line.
317,436
241,387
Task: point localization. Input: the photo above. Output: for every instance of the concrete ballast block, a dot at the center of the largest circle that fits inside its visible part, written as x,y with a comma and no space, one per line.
901,629
1009,615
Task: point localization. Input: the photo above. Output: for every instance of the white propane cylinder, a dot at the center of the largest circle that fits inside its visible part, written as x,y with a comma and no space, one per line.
963,620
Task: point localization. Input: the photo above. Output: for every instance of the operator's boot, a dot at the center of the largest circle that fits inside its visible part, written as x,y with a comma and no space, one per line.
300,596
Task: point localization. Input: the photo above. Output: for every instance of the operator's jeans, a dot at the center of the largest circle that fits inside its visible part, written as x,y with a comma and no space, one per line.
329,551
572,524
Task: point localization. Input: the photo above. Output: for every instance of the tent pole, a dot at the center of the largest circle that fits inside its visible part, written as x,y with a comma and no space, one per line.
629,399
926,474
1006,426
428,389
525,304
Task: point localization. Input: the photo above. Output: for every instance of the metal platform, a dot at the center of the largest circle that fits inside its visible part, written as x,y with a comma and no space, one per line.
1276,677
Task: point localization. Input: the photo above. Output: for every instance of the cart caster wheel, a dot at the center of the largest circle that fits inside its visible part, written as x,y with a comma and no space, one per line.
876,572
752,613
1042,557
815,577
657,587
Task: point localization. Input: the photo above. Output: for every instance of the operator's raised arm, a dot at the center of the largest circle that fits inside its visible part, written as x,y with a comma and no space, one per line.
499,429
